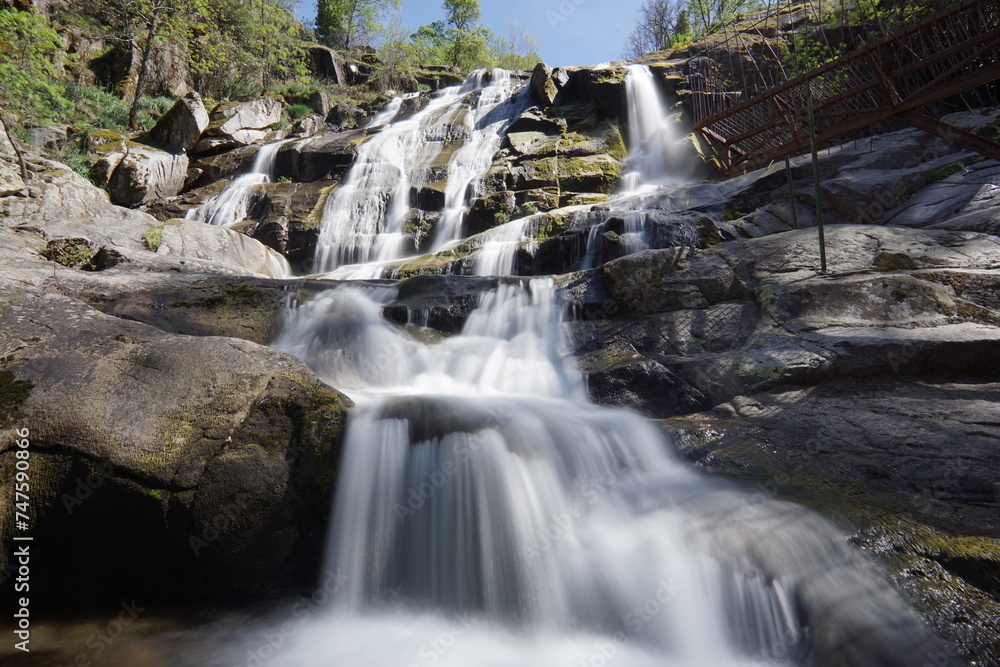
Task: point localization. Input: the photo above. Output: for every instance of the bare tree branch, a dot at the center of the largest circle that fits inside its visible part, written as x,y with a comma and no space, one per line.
17,149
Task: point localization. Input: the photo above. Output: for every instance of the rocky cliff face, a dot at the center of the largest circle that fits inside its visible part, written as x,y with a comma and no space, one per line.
182,465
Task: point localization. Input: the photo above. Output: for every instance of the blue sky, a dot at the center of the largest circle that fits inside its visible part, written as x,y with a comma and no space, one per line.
569,32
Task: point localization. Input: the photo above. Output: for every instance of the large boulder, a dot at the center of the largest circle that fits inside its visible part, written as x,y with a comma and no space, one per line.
543,86
288,218
183,124
56,192
749,315
145,174
167,72
236,124
321,157
11,182
193,239
325,63
190,467
909,470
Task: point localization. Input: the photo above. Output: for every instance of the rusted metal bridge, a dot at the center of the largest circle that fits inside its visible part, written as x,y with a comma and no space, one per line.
944,54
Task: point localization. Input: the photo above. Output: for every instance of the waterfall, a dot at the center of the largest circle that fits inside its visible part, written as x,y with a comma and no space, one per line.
653,158
630,238
364,220
488,514
491,115
233,204
482,495
498,254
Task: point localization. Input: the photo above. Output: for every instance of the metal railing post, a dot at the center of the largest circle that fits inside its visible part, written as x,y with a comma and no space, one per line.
815,161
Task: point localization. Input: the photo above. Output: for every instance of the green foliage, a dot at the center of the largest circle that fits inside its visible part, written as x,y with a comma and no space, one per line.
345,23
238,48
29,53
153,237
459,41
67,252
75,158
524,210
707,15
284,179
297,111
94,108
517,49
398,53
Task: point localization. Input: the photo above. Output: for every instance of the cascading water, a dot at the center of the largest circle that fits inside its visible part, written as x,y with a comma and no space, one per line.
363,222
498,254
630,238
233,204
652,163
481,494
653,143
493,112
487,514
391,110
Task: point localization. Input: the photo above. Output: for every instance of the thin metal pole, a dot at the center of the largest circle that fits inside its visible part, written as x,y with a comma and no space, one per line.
791,192
815,161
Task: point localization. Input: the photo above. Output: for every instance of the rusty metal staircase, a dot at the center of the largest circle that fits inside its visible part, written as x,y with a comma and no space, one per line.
942,55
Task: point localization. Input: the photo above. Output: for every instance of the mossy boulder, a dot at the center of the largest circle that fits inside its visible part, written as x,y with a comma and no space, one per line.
929,516
191,467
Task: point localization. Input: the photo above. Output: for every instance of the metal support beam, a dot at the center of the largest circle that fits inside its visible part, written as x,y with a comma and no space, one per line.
955,135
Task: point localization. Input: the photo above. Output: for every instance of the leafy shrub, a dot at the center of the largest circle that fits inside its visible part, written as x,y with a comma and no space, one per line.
68,252
297,111
524,210
153,237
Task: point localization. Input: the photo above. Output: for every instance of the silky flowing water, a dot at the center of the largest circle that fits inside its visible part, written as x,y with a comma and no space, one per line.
488,514
233,204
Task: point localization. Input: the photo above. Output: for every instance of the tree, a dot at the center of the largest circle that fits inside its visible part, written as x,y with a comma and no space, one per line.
659,21
517,49
706,15
398,53
139,24
468,39
460,41
345,23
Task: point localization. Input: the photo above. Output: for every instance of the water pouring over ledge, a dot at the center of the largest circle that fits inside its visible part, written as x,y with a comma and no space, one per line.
363,224
483,499
487,514
233,204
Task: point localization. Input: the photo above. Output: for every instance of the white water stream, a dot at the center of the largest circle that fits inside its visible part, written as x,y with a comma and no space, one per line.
232,204
364,221
487,514
654,143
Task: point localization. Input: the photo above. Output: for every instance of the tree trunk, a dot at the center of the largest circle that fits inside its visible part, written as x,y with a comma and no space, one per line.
140,81
17,150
